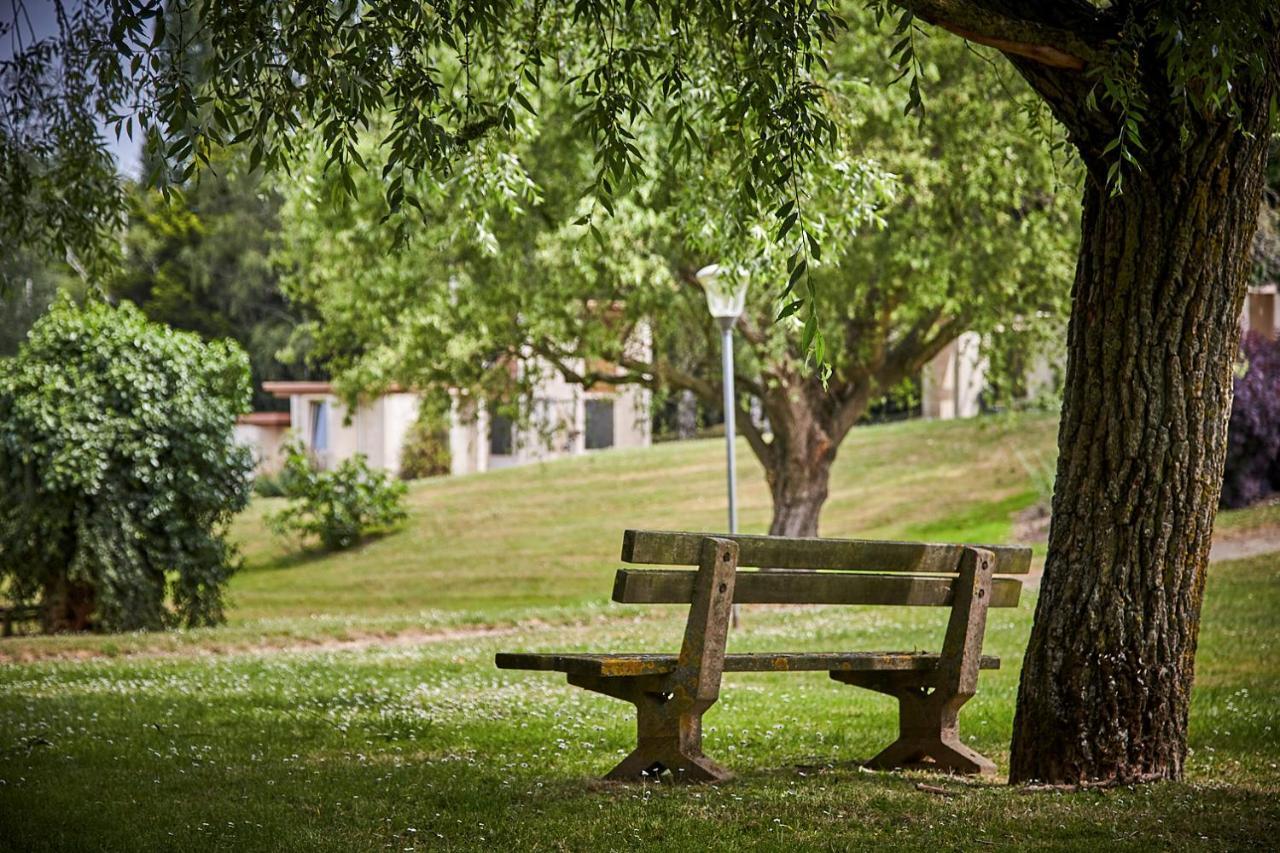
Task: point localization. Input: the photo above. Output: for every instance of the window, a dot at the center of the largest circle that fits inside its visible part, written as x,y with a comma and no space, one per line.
599,425
319,426
499,435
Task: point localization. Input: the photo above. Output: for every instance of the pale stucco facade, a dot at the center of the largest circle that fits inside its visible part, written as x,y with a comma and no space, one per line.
1260,313
559,418
317,417
265,434
951,385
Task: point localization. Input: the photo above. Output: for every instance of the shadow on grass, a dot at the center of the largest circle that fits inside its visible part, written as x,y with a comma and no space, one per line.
302,554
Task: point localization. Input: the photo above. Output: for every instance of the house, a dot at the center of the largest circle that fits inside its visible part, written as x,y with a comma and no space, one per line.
561,419
265,433
1259,313
377,428
952,383
319,419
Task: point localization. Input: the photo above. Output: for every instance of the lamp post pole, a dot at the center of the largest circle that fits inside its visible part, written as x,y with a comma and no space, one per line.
726,292
730,426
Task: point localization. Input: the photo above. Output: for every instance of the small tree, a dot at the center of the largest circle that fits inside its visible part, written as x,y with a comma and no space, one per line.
118,469
338,507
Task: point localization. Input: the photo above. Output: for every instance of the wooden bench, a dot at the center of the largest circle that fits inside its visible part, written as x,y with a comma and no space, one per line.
671,692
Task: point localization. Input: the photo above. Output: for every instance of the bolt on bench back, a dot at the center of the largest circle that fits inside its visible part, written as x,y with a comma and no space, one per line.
818,571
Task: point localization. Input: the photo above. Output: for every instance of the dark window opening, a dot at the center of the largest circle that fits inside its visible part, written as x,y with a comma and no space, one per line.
500,428
599,426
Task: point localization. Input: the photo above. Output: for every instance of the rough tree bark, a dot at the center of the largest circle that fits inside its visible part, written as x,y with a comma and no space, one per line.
66,605
1161,279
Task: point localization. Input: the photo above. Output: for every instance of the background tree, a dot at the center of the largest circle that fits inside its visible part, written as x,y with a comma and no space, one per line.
27,289
200,261
978,238
1171,101
118,470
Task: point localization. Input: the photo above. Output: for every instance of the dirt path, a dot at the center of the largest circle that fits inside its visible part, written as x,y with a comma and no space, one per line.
1250,544
1033,529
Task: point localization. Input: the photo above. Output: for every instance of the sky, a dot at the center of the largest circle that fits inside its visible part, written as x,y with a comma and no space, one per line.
38,17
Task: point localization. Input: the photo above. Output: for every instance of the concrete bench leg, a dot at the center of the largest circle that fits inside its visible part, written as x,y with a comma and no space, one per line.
669,732
928,726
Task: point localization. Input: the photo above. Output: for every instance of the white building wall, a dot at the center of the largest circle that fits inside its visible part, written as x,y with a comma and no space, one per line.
399,414
468,435
377,428
633,408
266,443
1261,312
953,381
632,417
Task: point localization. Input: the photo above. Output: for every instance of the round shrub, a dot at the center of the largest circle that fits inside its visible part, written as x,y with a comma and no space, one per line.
426,447
118,469
337,508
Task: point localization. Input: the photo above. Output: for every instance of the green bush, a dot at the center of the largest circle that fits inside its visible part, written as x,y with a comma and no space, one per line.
338,508
118,469
269,486
426,447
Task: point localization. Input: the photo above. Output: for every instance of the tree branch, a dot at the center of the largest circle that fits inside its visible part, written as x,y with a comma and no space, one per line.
1063,41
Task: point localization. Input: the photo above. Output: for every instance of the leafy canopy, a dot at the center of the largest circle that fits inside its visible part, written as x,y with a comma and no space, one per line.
962,221
190,77
118,468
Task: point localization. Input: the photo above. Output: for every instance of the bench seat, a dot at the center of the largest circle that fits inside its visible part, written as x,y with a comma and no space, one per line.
620,665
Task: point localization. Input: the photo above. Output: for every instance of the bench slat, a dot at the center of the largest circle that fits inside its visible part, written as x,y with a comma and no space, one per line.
650,586
618,665
669,548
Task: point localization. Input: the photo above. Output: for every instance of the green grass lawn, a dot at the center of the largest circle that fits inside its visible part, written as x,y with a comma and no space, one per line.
418,742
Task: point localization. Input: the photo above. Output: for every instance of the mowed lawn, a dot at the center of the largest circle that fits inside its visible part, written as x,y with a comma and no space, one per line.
308,724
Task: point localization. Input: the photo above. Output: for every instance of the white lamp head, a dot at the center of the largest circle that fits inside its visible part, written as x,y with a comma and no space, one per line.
726,291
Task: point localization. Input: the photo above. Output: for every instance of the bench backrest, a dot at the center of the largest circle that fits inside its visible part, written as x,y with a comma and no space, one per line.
819,571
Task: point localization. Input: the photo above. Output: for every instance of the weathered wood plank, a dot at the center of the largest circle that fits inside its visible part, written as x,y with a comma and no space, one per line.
659,586
670,548
962,645
697,675
625,664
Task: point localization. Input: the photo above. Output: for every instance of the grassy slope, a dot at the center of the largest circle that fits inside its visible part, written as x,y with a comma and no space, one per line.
428,747
549,534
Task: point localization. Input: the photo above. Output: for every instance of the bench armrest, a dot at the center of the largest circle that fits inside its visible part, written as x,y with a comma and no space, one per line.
962,648
701,661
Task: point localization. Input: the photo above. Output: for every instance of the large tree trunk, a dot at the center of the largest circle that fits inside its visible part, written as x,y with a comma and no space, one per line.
798,467
799,490
1162,274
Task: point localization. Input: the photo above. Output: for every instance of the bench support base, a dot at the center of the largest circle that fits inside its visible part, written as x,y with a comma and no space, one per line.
928,725
669,731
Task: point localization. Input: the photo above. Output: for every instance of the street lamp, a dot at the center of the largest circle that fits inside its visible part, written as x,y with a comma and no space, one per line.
726,292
